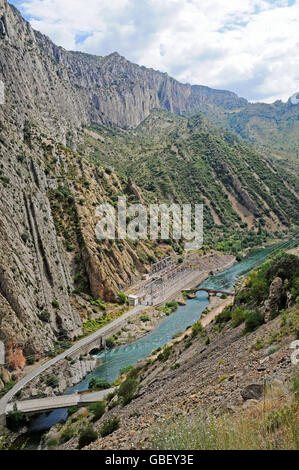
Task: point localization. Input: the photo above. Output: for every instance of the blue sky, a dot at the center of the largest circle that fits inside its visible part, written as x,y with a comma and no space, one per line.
247,46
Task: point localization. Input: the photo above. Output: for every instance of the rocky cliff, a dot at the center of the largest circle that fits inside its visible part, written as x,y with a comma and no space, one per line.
100,89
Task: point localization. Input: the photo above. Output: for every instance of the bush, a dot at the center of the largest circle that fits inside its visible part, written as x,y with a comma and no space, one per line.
25,237
253,321
122,298
225,316
238,316
164,355
52,381
44,316
145,318
98,384
30,360
66,435
196,329
16,419
87,436
98,409
109,426
127,390
55,303
125,370
110,342
52,444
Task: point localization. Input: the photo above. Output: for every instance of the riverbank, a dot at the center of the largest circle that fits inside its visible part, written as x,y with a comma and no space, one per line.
129,354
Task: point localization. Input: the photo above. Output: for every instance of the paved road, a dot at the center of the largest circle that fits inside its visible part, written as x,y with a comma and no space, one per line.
83,342
58,402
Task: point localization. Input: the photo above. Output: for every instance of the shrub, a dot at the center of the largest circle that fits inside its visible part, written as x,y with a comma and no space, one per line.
125,370
196,329
225,316
16,419
44,316
164,355
98,409
127,390
87,436
145,318
72,409
66,435
52,444
98,384
110,342
238,316
109,426
52,381
55,303
122,298
25,237
253,321
30,360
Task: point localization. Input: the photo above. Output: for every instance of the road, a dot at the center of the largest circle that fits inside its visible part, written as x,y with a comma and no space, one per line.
83,342
58,402
178,285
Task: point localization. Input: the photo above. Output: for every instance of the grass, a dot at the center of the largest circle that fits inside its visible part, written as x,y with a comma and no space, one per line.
271,424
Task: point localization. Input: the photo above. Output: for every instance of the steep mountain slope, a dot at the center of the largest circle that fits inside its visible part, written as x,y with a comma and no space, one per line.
101,89
190,160
49,252
268,126
50,189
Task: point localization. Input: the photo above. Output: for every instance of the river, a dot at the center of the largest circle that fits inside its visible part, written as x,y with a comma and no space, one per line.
120,357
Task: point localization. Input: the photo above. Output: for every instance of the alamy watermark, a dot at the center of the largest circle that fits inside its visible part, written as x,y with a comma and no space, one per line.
2,92
155,221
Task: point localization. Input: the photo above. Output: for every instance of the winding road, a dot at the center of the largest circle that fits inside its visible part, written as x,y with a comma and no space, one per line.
83,342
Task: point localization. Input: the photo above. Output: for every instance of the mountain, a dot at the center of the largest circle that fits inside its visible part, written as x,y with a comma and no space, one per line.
190,160
68,118
100,89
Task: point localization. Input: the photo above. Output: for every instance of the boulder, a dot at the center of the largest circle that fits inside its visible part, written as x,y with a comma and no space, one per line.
252,392
272,304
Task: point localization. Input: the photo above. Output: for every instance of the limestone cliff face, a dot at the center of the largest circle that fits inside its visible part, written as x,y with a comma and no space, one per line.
48,248
59,89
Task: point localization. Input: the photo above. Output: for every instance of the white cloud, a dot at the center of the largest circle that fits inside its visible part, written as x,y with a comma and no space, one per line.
247,46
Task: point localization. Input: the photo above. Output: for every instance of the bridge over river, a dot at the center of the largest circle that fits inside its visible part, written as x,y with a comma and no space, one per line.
58,402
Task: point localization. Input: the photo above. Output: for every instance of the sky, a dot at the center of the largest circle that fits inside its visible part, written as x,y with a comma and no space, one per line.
250,47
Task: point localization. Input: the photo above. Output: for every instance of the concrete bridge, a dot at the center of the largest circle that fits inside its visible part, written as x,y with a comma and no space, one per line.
39,405
209,291
84,346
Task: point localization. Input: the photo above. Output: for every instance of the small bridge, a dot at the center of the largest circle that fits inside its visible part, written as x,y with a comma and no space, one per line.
209,291
40,405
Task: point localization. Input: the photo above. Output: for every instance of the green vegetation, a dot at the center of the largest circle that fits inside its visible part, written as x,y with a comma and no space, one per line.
271,424
98,384
16,419
248,303
168,156
169,307
127,389
109,426
52,381
196,329
86,437
97,409
44,316
145,318
123,299
164,355
66,435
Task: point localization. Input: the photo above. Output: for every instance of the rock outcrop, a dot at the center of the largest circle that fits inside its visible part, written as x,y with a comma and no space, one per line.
273,302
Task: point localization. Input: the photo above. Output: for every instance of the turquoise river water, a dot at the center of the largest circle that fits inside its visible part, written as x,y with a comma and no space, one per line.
120,357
